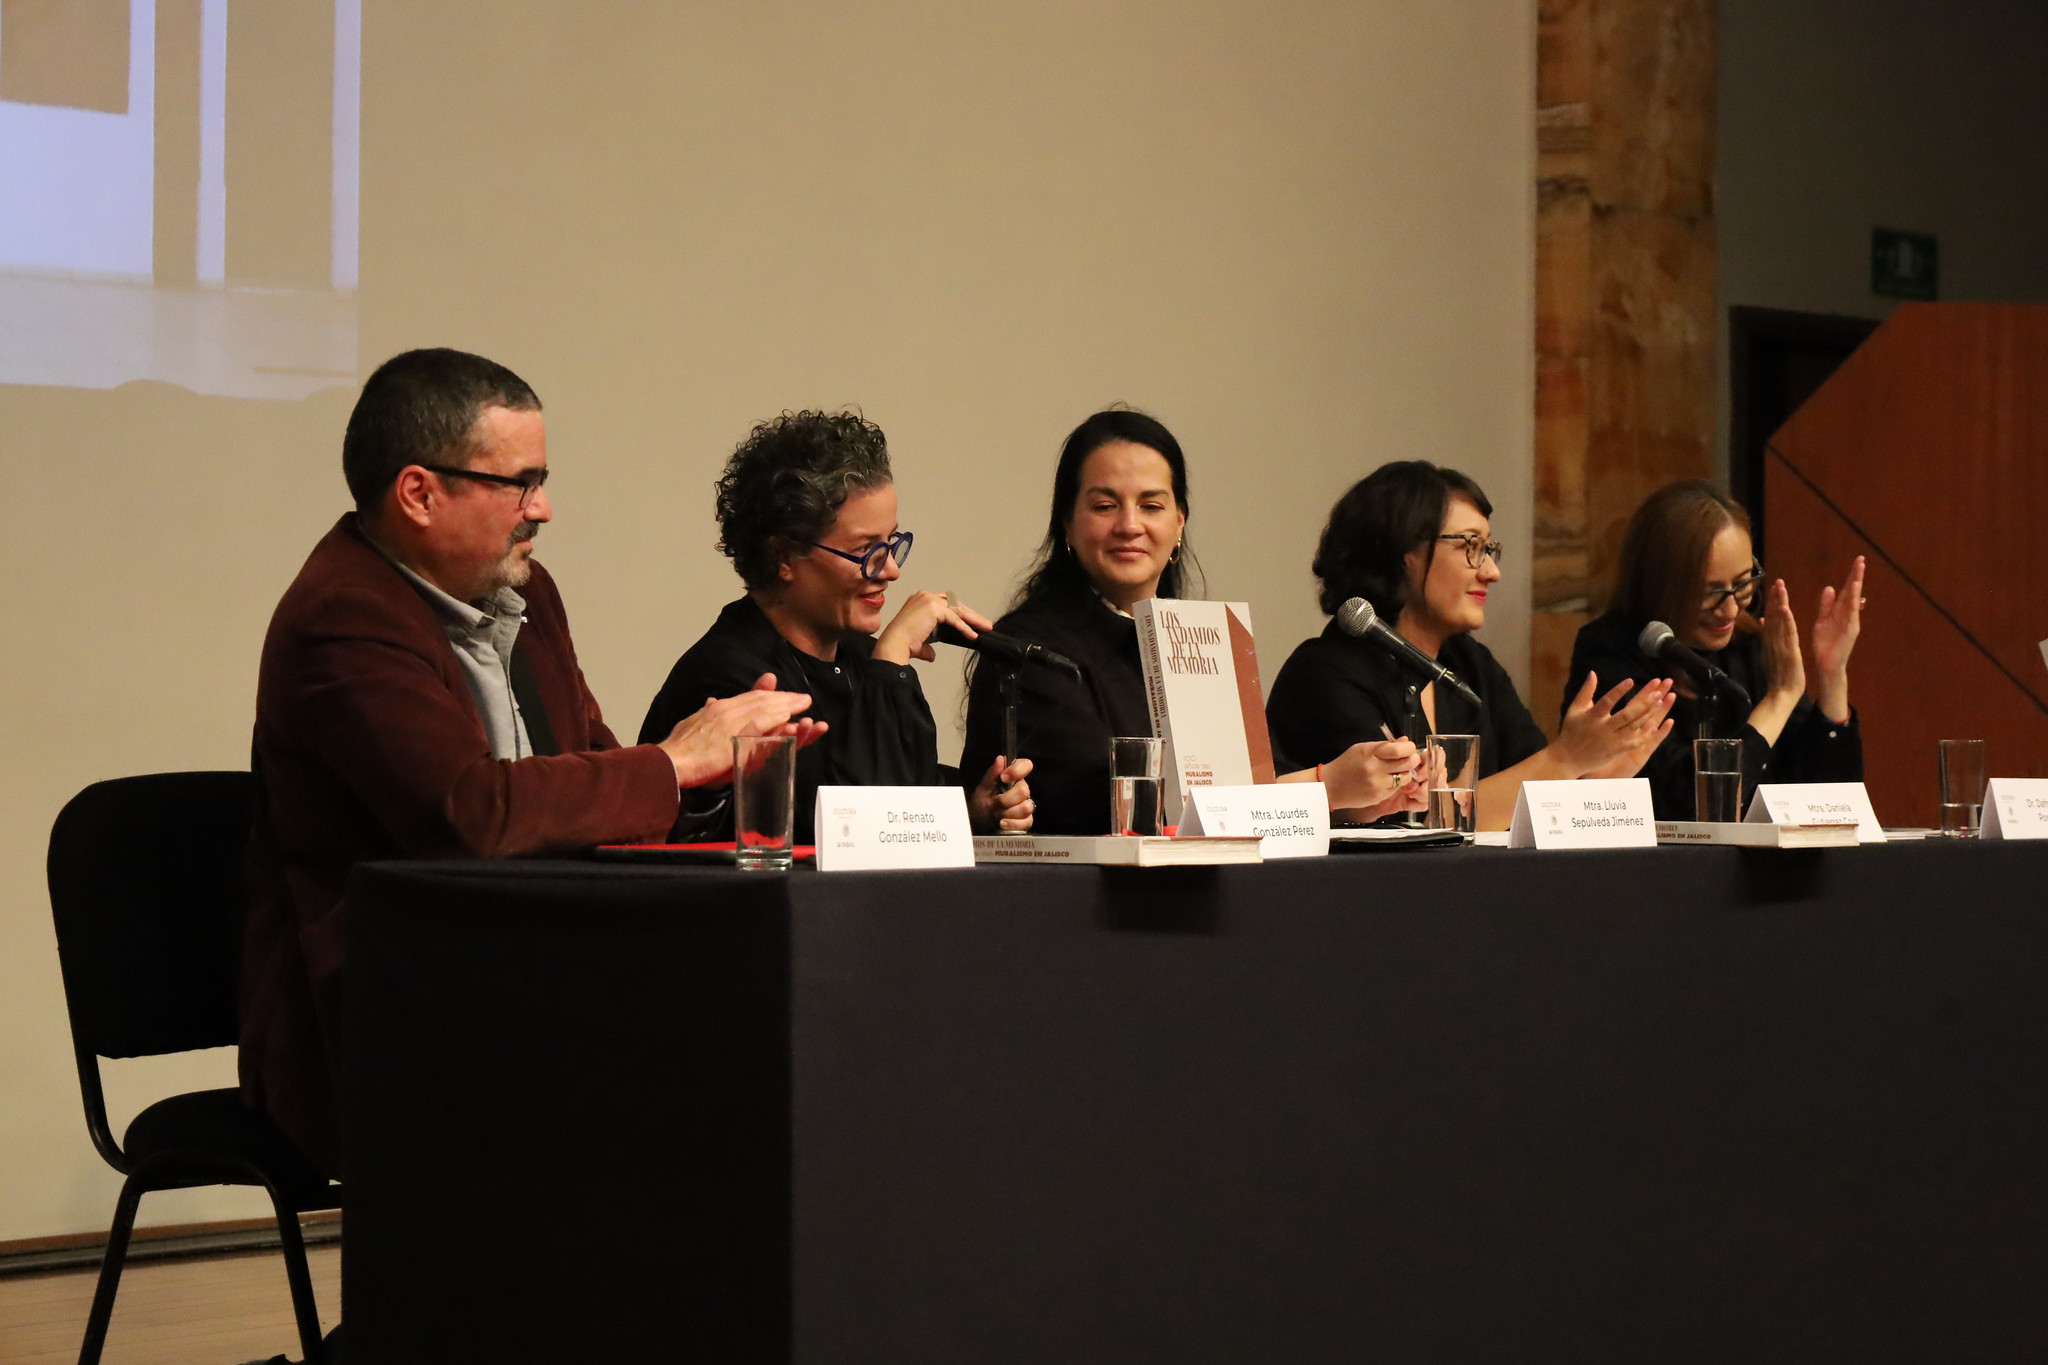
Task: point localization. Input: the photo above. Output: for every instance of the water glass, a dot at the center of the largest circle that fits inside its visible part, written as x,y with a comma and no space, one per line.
1717,780
1962,787
1454,783
1134,764
763,802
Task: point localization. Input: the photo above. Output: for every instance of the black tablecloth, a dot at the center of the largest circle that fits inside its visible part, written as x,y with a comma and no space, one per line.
1673,1104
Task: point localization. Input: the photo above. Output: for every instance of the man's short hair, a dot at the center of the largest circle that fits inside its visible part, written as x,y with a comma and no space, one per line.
421,407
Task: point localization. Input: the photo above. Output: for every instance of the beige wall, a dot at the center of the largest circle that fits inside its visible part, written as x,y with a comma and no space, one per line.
1300,235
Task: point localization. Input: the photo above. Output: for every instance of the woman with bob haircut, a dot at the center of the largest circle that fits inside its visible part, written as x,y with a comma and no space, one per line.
1686,560
1415,540
807,514
1116,536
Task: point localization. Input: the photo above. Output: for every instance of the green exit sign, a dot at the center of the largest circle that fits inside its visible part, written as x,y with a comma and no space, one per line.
1904,265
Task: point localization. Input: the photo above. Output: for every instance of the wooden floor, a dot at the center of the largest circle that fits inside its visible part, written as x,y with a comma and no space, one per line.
217,1311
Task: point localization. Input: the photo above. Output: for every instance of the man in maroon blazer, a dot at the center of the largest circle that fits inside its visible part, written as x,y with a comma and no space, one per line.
419,697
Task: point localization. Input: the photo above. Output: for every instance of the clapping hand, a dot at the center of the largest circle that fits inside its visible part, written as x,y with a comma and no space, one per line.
1601,736
701,744
1783,663
1839,622
1835,628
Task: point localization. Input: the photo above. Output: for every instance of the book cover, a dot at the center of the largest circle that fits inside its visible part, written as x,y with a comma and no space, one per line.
1756,835
1112,850
1202,688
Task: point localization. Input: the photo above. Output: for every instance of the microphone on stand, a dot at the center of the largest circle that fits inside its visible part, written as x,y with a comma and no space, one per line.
1661,642
1356,617
1007,648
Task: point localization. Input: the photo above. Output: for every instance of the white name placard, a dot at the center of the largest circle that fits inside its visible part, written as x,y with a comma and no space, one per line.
1817,803
2015,808
861,828
1607,812
1292,819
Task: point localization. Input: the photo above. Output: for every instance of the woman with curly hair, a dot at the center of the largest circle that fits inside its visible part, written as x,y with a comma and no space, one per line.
807,514
1416,541
1116,536
1686,560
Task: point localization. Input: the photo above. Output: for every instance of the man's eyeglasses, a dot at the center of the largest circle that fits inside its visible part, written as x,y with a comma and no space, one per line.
1743,591
528,483
1475,547
896,547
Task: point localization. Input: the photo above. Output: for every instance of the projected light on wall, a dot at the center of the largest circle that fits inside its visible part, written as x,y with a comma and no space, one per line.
178,186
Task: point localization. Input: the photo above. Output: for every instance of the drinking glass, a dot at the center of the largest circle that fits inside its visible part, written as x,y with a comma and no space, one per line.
1454,783
1717,780
1962,787
763,802
1134,763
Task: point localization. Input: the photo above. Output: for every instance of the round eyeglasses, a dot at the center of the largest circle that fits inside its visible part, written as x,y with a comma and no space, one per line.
896,547
528,483
1475,547
1743,590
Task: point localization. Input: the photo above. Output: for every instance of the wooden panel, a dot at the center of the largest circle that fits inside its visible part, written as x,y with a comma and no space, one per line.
1650,387
1625,259
1928,451
1653,106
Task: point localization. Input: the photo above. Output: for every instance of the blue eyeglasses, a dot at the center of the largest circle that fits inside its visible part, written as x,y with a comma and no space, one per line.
896,547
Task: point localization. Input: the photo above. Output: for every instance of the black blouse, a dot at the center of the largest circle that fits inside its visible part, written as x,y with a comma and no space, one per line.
1336,690
881,726
1064,724
1811,748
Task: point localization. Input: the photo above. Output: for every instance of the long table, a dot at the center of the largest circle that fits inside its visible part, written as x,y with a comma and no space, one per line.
1672,1104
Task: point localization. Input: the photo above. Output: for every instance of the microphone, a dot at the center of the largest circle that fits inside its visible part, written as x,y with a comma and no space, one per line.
1357,617
1661,643
1006,647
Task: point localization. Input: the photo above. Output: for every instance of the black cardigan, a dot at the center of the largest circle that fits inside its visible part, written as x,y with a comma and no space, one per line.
1811,748
1064,724
881,726
1336,690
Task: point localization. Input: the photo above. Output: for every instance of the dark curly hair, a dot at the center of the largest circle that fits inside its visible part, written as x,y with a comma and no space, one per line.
783,488
1055,575
1397,508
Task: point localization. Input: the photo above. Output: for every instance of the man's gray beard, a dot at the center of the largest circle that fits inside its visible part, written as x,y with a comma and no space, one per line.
515,570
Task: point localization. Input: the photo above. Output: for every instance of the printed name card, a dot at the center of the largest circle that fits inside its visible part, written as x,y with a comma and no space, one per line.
862,828
1817,803
1292,819
2015,808
1609,812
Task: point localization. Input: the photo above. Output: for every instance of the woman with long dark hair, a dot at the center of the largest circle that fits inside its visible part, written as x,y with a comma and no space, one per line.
1686,560
1416,541
1116,536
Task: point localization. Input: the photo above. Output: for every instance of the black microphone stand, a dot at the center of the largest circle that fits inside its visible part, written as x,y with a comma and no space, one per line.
1009,689
1710,708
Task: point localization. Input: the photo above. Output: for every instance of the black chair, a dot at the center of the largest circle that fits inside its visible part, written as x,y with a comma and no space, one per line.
146,889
